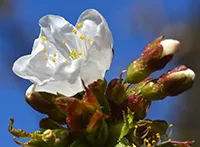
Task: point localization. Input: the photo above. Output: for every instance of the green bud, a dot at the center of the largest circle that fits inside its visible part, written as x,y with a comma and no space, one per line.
116,90
154,57
138,105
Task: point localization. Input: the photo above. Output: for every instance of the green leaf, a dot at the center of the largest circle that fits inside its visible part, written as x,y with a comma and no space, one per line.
98,136
121,145
128,123
159,126
114,133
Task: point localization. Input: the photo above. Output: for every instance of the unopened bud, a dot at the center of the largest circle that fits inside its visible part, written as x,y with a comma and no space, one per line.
35,100
43,103
116,90
154,57
172,83
177,80
138,105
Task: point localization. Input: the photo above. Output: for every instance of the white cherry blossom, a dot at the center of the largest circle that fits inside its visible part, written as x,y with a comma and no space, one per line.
64,54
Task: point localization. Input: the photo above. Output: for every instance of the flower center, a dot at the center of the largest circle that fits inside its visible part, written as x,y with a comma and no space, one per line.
73,54
154,139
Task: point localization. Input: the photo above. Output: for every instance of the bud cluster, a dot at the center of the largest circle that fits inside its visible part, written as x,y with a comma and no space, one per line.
113,114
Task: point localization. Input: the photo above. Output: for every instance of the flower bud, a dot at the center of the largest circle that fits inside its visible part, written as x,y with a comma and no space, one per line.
172,83
116,90
35,100
43,103
177,80
138,105
154,57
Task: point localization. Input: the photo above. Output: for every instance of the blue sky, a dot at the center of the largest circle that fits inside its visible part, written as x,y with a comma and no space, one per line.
25,15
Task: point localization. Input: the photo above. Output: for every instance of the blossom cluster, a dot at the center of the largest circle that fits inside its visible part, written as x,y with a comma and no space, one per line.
67,66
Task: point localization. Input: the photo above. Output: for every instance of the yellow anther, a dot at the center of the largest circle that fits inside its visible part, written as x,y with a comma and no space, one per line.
148,145
171,125
82,37
80,25
53,60
169,140
158,135
136,126
73,54
149,138
43,39
146,140
80,53
66,60
63,42
45,59
74,31
89,40
153,142
44,50
54,54
149,127
153,137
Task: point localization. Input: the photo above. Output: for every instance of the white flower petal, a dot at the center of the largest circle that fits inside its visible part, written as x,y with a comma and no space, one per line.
94,25
170,46
60,32
99,55
96,64
190,74
66,79
33,67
